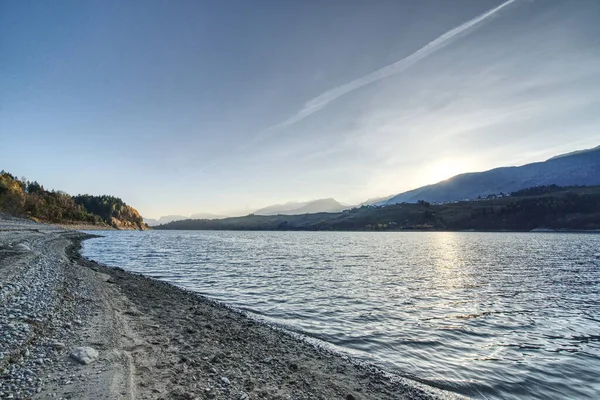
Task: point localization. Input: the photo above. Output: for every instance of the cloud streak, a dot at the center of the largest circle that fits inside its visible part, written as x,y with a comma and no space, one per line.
321,101
331,95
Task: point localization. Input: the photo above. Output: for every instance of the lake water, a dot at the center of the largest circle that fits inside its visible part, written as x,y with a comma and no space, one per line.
488,315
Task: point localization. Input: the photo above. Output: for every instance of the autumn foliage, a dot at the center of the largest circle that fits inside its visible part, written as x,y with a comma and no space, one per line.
24,198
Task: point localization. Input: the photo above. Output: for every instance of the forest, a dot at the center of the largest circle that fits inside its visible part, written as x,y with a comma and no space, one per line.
29,199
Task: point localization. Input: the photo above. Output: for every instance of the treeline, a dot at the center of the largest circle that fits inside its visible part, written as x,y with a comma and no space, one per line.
109,208
543,207
548,207
24,198
540,190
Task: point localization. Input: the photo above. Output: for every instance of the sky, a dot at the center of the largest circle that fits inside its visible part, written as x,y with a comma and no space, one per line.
182,107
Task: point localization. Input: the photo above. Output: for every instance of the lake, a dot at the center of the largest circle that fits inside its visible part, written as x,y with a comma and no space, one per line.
488,315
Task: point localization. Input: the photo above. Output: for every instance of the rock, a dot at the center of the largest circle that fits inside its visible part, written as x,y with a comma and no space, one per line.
22,247
225,381
350,397
84,355
209,393
57,345
244,396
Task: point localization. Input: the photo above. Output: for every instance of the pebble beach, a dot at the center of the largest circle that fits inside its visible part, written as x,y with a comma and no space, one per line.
71,328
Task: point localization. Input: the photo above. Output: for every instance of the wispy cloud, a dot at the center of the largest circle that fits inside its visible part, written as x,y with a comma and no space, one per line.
331,95
321,101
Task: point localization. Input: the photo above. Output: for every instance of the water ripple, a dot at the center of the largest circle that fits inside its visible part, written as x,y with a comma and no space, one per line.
504,315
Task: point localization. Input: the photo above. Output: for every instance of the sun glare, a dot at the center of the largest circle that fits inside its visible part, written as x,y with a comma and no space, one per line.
443,170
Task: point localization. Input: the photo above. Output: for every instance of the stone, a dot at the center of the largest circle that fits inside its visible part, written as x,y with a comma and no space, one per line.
84,355
225,381
22,247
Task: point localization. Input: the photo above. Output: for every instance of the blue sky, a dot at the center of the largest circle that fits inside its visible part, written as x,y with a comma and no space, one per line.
195,106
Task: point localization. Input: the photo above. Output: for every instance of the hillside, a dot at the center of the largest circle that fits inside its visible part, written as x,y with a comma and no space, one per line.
170,218
550,207
308,207
581,168
29,199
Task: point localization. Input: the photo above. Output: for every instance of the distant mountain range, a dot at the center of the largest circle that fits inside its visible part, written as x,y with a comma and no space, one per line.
308,207
579,168
542,208
375,201
164,220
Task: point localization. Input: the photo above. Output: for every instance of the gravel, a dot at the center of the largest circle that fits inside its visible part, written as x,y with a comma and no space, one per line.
38,302
148,339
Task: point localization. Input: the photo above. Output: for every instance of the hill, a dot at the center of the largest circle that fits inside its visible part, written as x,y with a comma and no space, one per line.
164,219
29,199
548,207
581,168
206,216
171,218
308,207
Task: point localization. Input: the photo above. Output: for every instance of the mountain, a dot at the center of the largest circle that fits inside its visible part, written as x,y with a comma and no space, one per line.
206,216
318,206
308,207
164,220
576,152
540,208
280,208
375,201
580,168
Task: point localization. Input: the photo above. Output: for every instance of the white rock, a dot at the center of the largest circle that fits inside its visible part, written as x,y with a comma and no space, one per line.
84,355
225,380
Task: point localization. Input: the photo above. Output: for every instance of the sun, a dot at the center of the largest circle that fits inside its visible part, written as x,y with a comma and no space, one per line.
443,170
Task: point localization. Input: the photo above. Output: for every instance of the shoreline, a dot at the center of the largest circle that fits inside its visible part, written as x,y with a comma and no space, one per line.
155,340
595,231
